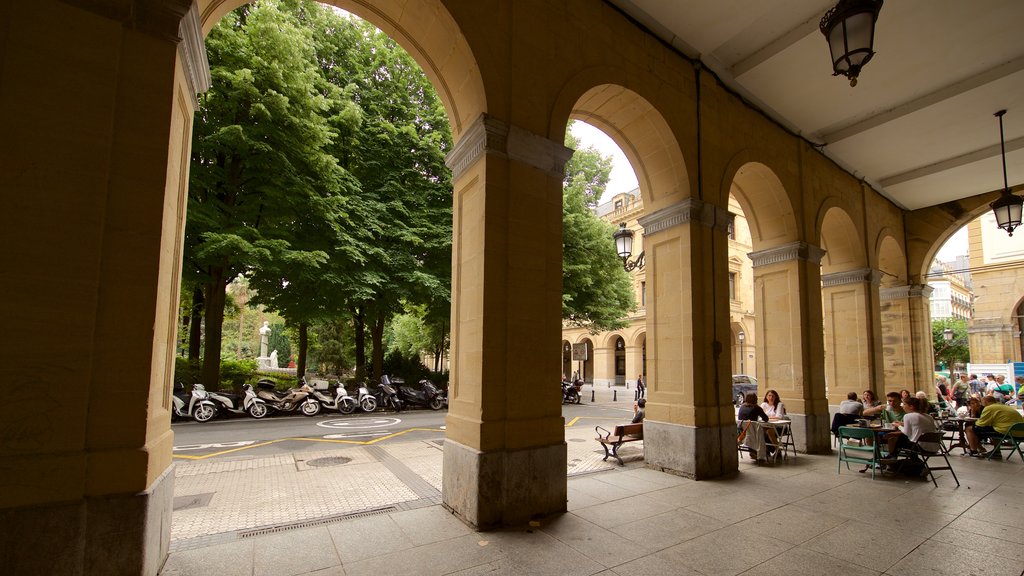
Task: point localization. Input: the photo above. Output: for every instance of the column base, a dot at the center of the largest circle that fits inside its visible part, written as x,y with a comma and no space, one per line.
507,488
697,453
120,534
812,433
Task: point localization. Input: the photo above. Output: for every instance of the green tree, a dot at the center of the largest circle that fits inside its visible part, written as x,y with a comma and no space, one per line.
955,349
597,293
260,175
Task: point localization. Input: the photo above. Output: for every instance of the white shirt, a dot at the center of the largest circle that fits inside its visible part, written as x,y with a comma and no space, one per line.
779,411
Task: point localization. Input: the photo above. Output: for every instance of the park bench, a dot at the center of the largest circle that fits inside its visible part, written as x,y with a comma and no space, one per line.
617,437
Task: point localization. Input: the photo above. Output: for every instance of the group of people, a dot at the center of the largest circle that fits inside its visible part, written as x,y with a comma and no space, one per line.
967,385
771,408
911,416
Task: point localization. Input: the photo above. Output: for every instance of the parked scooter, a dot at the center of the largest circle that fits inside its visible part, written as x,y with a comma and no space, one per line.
196,405
571,392
387,395
340,401
427,395
365,400
248,403
300,397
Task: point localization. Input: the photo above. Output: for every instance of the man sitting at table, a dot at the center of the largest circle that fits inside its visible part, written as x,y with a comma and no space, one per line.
891,411
851,405
996,419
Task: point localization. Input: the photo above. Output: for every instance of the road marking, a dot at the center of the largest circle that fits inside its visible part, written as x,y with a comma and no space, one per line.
219,445
386,436
339,436
359,423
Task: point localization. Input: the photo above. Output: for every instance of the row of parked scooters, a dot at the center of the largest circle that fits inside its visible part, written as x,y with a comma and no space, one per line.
264,400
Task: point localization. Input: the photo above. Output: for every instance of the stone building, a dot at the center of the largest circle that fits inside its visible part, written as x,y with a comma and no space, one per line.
848,193
997,273
952,295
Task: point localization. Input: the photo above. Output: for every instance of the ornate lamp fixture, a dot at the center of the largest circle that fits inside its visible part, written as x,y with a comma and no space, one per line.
1007,207
624,246
849,28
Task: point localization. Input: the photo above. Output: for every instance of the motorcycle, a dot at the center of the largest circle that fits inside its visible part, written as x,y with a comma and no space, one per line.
196,405
427,395
571,392
248,403
340,401
387,395
300,397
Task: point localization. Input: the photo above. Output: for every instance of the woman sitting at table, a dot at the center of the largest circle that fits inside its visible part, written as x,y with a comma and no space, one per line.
867,398
915,423
773,406
749,410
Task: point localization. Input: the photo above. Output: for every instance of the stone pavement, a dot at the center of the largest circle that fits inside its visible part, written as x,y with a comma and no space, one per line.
230,497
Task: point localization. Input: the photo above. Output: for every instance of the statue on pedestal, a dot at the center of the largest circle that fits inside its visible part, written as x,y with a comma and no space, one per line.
263,360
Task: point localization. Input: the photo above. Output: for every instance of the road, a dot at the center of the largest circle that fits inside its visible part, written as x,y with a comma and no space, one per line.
242,436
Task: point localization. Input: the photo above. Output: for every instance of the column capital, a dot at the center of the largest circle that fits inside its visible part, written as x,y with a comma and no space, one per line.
489,135
192,50
793,251
905,292
858,276
689,210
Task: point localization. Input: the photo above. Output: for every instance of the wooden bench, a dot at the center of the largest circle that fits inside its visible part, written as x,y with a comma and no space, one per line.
617,437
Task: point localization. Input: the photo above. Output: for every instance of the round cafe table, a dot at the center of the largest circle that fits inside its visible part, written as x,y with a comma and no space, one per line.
960,438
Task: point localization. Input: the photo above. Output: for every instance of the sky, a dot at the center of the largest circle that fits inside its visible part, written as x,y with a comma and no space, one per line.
623,180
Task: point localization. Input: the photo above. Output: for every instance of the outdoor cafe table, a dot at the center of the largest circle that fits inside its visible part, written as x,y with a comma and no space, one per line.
961,426
755,441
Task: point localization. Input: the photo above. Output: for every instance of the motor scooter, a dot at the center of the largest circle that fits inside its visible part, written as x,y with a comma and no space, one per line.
196,405
340,401
387,395
300,397
571,392
248,403
427,395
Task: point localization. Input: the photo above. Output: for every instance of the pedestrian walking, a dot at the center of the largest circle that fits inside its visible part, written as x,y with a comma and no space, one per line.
641,389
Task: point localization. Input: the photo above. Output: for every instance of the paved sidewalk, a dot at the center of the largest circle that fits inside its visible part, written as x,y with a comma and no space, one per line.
224,499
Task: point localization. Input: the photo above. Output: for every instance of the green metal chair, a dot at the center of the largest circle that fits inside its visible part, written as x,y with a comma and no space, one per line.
924,454
1013,437
860,453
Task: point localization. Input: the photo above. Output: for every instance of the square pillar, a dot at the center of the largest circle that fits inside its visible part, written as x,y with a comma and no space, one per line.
852,338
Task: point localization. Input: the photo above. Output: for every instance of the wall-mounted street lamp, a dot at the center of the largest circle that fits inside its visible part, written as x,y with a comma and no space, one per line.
1007,208
947,334
624,246
849,28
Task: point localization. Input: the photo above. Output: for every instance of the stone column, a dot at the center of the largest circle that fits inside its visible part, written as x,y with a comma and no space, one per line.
897,336
505,452
690,426
921,339
634,363
98,106
852,332
604,366
787,296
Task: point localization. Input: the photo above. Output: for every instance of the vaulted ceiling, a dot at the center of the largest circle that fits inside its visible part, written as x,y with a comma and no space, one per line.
919,125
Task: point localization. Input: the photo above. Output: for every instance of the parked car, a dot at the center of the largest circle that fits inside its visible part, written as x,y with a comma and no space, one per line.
741,384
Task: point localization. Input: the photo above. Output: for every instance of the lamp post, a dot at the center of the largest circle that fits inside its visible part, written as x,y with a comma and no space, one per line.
849,28
624,246
742,338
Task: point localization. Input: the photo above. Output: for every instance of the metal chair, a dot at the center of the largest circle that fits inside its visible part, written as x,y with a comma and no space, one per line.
924,454
861,453
1013,437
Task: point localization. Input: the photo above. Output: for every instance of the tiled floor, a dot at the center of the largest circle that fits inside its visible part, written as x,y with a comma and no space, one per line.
794,518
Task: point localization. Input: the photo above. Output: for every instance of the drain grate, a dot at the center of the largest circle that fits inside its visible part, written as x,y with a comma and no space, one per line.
328,461
317,522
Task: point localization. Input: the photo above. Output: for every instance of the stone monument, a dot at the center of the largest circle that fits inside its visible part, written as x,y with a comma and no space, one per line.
263,360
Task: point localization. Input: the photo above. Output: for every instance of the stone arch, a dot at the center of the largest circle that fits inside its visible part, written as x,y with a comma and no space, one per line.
892,260
841,240
599,98
763,199
439,48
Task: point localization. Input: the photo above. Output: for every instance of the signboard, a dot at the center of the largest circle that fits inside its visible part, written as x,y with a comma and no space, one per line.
579,352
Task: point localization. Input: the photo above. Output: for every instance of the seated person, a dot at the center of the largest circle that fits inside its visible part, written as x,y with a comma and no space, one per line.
773,405
638,411
927,407
749,410
851,405
867,398
996,420
915,423
891,411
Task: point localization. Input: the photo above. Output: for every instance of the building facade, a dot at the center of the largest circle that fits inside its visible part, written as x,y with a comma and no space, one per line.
952,295
997,273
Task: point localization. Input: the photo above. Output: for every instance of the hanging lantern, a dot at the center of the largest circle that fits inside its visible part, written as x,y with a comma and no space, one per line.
849,28
1007,208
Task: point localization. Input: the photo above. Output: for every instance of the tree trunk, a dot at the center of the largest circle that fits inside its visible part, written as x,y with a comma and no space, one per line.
195,325
377,336
300,369
359,327
216,296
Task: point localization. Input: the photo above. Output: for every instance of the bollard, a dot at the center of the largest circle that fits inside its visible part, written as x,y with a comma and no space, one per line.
615,395
591,394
